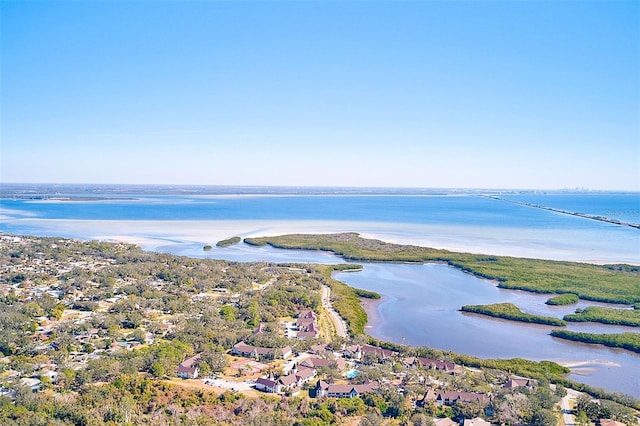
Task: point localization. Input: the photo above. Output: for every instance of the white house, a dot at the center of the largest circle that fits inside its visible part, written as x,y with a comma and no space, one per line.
267,385
188,369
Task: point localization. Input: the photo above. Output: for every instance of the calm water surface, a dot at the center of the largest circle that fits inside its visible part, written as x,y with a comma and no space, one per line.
421,306
421,302
457,222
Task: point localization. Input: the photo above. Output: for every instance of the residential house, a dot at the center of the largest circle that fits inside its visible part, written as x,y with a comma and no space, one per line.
353,351
306,325
381,353
314,362
344,391
452,397
267,385
307,314
115,345
286,383
188,369
297,378
432,364
310,332
242,349
321,347
478,421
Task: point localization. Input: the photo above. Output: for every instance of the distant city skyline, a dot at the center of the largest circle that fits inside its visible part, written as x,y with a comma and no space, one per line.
521,95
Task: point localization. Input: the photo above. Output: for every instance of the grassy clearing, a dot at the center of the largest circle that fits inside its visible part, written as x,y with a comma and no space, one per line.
326,325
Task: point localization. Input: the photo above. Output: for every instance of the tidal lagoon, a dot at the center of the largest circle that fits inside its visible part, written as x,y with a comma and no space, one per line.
420,307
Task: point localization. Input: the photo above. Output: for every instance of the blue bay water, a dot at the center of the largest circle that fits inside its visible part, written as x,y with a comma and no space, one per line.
621,206
181,223
421,307
430,209
457,222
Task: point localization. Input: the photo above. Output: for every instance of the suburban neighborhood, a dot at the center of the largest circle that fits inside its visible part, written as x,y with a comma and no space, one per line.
76,315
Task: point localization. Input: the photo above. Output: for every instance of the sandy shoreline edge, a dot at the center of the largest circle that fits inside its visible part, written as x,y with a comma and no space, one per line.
152,235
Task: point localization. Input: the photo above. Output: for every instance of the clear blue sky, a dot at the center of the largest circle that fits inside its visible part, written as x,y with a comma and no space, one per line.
409,94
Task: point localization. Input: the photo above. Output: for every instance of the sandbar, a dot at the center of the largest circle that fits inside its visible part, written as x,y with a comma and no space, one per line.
152,234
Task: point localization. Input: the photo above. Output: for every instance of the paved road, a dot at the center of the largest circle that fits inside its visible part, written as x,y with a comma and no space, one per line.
338,322
568,418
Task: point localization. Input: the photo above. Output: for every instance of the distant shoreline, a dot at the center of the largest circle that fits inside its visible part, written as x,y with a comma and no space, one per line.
8,190
555,210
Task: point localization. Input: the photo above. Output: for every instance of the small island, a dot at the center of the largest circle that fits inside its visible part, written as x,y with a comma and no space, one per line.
228,242
509,311
563,299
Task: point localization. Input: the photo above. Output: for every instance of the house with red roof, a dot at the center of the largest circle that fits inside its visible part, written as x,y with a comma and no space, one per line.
188,369
267,385
518,382
331,390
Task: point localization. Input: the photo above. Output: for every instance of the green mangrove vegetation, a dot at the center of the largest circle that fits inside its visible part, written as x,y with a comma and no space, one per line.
228,242
346,300
366,294
605,283
511,312
347,267
629,341
629,317
563,299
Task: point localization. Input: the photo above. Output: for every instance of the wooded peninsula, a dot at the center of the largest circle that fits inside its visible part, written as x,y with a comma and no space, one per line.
603,283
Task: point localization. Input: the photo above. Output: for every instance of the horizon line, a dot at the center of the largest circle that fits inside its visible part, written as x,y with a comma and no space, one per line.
344,187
